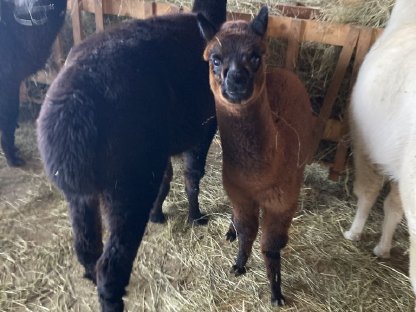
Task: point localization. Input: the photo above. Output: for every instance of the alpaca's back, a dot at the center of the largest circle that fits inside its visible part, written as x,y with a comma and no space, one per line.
141,87
383,102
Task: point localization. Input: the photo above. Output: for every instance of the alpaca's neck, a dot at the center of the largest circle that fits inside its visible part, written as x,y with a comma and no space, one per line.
247,133
402,15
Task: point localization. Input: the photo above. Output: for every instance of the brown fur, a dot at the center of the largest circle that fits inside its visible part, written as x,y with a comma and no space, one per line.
266,140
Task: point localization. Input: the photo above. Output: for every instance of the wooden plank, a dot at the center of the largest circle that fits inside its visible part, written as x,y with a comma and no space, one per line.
133,9
340,159
292,52
325,33
365,40
99,15
363,45
57,51
76,21
301,12
234,16
333,89
333,130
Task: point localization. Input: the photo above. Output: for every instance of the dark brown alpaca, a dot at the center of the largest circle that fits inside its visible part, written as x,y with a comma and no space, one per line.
265,122
126,100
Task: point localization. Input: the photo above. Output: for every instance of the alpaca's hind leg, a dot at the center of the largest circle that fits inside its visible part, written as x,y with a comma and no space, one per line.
156,215
128,212
407,187
412,260
86,227
246,225
9,112
275,227
195,160
367,185
393,214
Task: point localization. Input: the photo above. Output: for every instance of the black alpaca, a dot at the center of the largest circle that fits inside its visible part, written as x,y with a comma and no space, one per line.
23,51
125,101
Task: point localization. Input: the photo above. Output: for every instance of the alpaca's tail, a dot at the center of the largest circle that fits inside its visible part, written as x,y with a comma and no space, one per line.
67,140
214,10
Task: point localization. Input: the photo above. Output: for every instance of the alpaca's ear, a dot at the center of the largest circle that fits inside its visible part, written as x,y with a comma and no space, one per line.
259,23
208,30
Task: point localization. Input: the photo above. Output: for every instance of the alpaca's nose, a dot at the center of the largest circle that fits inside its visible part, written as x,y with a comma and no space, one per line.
237,80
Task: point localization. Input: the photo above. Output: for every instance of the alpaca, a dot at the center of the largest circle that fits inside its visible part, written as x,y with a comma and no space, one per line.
265,122
383,127
24,50
125,101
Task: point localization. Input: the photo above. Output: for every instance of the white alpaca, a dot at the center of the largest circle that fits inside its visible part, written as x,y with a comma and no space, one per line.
383,124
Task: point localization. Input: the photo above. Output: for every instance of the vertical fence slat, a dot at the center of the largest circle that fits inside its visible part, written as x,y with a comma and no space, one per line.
76,21
99,16
363,45
333,89
293,45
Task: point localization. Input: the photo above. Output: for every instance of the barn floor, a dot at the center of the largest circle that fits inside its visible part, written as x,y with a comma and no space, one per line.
184,268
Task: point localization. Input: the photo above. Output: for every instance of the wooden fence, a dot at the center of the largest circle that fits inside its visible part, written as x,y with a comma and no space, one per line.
354,41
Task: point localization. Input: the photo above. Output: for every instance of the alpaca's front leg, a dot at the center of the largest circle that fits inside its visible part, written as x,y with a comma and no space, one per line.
194,162
275,227
246,223
231,234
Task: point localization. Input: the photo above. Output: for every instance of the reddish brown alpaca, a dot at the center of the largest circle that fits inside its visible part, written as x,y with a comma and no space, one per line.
266,124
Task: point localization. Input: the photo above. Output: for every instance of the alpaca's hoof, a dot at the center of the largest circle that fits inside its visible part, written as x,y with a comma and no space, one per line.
238,270
111,306
90,276
278,302
15,161
231,235
157,217
381,252
352,236
200,220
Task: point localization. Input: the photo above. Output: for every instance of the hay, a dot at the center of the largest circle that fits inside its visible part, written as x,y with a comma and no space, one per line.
371,13
186,268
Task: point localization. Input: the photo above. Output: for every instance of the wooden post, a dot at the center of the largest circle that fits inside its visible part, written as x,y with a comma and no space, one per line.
57,51
293,45
333,89
363,46
76,21
99,16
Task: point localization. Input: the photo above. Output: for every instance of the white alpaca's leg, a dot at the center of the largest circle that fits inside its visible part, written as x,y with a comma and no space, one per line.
393,214
367,185
407,189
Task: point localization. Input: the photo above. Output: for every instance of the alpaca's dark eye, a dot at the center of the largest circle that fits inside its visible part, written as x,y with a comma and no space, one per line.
216,61
255,60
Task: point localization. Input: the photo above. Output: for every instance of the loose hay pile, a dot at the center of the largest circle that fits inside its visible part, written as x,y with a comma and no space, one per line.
185,268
